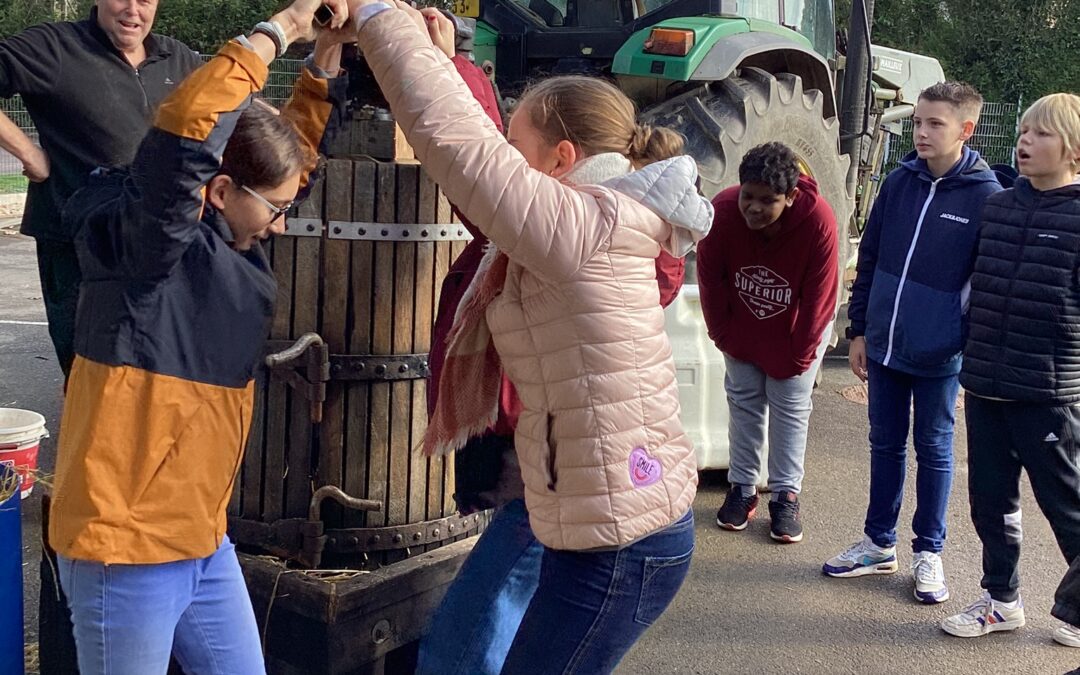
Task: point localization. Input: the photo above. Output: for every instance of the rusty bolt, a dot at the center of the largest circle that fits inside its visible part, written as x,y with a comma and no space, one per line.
398,538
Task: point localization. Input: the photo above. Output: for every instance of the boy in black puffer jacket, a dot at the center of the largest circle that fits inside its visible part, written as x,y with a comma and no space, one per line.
1022,369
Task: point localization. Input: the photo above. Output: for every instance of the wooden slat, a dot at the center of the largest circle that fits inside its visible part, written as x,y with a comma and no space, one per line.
448,505
404,313
382,344
274,462
358,400
420,488
334,329
247,494
305,318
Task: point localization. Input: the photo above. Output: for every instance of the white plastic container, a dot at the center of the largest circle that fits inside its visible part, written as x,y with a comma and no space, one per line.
699,369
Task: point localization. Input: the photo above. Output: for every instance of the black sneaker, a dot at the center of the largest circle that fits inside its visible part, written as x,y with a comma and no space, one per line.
737,510
784,512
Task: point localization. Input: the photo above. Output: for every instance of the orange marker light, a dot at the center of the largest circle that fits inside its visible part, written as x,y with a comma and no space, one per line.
670,41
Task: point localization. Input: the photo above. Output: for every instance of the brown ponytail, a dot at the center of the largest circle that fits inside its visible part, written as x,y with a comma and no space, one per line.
653,144
596,117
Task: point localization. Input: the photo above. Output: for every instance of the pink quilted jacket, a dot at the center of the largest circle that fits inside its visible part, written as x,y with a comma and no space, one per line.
578,325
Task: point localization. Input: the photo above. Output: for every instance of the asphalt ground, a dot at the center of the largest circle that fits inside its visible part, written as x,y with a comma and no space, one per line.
749,605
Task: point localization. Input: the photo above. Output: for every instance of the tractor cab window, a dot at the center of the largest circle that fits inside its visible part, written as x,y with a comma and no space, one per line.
551,12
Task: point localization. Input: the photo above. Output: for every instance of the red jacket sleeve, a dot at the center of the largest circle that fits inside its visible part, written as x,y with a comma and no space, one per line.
817,301
670,273
480,86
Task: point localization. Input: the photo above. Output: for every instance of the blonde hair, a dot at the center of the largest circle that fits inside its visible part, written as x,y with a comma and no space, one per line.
596,117
1059,113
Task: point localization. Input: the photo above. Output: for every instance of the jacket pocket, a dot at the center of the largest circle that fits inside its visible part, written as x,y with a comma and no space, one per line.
553,472
661,579
929,325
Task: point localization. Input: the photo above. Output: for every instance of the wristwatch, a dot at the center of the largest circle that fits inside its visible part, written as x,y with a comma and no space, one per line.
850,334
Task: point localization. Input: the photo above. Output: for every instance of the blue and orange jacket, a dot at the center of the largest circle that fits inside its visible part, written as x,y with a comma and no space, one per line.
170,328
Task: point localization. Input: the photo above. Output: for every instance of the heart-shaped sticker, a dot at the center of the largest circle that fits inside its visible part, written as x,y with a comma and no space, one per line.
644,468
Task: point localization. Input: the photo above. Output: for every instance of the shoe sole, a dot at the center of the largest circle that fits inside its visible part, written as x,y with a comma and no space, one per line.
929,599
1066,641
736,528
999,627
786,538
888,567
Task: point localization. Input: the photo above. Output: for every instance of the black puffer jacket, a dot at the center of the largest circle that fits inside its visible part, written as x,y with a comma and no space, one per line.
1024,340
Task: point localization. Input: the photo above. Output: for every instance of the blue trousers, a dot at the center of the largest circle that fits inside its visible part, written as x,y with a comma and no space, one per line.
472,630
892,396
129,618
592,606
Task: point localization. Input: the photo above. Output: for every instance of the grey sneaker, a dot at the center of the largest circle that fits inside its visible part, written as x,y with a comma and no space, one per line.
864,557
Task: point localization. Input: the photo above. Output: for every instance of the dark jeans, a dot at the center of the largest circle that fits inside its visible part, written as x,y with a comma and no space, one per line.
891,395
591,607
60,278
1003,438
474,626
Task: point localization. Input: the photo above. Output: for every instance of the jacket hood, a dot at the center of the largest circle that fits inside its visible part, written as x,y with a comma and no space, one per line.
669,189
971,168
805,204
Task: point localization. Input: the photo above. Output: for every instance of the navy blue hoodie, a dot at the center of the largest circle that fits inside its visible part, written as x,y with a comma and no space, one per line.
915,264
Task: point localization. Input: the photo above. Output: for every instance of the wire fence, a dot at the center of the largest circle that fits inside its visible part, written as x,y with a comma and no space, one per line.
283,73
995,137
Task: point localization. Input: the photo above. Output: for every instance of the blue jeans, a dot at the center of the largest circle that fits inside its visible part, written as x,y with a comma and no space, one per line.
592,606
891,394
473,628
129,618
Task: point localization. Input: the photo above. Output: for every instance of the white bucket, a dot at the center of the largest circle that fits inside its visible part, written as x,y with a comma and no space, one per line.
21,432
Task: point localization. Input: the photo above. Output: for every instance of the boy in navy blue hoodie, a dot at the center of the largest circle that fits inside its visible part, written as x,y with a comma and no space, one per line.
907,330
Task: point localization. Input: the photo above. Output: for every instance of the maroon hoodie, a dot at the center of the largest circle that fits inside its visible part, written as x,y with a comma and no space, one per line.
768,301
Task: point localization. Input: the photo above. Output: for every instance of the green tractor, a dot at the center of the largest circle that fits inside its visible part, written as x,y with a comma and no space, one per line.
727,74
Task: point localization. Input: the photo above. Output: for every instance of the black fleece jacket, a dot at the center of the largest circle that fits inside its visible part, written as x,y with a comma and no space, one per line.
90,106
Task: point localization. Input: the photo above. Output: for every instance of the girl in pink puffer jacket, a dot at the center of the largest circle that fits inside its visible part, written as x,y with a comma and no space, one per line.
566,303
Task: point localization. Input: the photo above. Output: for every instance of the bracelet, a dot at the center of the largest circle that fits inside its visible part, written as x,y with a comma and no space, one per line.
274,31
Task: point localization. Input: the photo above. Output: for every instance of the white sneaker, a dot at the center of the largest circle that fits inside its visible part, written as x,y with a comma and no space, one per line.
929,577
1067,635
864,557
983,616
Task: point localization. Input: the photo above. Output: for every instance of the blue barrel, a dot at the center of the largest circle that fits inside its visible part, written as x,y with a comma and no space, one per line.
11,595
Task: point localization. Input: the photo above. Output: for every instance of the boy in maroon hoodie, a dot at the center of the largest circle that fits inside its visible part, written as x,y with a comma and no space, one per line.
767,274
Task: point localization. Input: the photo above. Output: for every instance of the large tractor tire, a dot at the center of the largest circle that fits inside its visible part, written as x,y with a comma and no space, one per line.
723,120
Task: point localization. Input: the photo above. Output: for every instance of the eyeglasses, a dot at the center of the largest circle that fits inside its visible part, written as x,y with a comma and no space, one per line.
275,211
